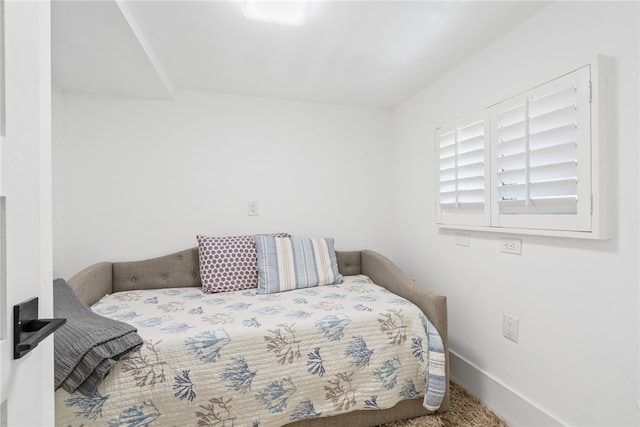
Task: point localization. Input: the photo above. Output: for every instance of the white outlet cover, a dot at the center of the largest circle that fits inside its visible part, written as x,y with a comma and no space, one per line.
511,246
510,327
252,208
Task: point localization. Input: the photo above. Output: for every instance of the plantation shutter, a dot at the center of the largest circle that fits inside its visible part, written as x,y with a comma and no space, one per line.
541,155
462,158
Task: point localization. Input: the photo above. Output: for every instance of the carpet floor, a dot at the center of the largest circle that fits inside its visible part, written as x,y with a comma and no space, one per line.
465,411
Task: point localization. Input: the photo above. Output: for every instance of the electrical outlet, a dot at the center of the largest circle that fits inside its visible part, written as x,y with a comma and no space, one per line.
252,208
511,246
510,327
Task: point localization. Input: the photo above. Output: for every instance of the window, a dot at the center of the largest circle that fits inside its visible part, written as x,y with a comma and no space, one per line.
463,166
529,164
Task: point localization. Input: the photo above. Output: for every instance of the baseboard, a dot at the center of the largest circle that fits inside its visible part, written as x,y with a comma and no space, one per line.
516,410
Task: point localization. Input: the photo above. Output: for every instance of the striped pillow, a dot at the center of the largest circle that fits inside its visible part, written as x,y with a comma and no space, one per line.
294,263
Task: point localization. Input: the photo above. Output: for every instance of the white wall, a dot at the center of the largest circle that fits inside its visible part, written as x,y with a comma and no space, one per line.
577,359
140,178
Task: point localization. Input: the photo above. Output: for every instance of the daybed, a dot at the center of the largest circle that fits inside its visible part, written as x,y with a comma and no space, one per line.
181,269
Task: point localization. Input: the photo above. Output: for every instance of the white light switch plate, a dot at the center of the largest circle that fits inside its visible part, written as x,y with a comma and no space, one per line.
462,239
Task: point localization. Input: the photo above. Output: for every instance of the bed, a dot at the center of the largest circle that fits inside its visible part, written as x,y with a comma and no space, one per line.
276,370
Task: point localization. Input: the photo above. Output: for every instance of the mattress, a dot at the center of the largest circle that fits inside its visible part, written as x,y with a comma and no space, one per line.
244,359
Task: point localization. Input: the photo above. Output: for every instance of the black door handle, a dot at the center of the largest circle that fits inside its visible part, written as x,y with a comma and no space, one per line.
28,330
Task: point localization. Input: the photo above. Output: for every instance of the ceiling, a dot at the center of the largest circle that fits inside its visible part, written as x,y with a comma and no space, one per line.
359,53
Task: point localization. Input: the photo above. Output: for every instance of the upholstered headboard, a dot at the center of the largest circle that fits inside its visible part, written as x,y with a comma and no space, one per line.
180,269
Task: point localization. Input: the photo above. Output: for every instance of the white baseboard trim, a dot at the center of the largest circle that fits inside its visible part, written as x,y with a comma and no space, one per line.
512,407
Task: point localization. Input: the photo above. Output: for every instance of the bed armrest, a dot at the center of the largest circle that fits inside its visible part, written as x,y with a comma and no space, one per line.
93,282
384,272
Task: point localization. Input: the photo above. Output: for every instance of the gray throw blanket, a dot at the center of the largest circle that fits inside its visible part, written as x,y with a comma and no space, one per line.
87,345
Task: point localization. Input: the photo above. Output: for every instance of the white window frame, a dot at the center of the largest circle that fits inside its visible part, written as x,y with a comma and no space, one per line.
458,211
590,219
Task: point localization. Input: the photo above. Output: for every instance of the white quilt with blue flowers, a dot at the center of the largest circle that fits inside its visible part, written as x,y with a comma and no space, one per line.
243,359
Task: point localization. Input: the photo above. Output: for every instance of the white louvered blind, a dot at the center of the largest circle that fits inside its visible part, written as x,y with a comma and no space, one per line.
541,156
532,164
462,158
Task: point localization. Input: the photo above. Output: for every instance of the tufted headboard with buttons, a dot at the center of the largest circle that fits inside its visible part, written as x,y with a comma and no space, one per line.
170,271
181,269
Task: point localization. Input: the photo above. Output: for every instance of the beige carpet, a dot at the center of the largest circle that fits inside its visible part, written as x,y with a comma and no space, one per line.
465,411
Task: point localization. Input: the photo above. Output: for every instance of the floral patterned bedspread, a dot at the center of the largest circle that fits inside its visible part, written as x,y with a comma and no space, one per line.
243,359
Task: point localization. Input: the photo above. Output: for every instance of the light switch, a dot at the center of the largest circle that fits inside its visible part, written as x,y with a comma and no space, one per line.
462,239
